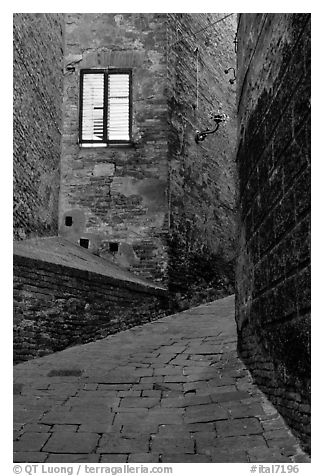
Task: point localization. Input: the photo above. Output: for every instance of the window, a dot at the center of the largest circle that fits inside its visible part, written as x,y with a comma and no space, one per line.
105,107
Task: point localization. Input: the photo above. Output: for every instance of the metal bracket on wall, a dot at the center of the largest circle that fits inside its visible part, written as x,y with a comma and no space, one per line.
232,80
201,135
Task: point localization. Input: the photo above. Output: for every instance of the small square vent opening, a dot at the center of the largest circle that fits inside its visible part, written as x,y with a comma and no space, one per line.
68,221
113,246
84,242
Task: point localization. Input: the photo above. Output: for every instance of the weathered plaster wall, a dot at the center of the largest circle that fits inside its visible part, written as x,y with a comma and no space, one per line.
38,87
115,194
273,270
202,177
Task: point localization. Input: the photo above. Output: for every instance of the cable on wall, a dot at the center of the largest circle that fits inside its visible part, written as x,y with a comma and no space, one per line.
197,76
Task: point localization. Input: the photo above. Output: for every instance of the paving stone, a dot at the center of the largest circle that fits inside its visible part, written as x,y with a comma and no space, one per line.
191,386
197,363
143,372
242,442
165,445
166,416
192,370
37,428
139,410
204,375
244,426
98,396
143,458
128,399
302,458
90,386
174,430
29,457
31,441
139,402
168,370
96,427
114,378
62,387
286,449
134,418
140,429
274,424
72,428
155,379
285,442
145,386
131,393
194,427
267,455
227,456
16,434
68,442
204,439
177,349
114,458
113,387
241,410
278,434
117,444
73,458
164,358
152,393
175,379
205,413
212,389
23,415
171,386
228,396
177,402
192,400
172,393
77,417
185,458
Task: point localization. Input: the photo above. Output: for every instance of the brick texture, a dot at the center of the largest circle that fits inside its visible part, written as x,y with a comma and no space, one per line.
273,270
57,306
38,87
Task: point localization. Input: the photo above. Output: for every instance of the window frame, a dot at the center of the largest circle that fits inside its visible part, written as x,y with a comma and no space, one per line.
106,72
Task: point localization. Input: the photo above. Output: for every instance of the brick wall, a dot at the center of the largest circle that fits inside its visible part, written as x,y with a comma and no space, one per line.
118,195
57,306
202,179
38,86
273,270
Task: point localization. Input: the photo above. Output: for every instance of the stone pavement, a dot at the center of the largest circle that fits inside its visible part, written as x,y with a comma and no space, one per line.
172,390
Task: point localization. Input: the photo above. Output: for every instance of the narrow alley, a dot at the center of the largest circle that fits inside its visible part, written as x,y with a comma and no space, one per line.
162,166
173,390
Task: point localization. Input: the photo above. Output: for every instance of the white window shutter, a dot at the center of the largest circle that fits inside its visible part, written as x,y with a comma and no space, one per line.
93,107
118,107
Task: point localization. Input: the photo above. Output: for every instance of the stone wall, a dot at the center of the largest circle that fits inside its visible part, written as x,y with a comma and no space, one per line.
201,190
117,195
57,306
38,88
273,270
165,201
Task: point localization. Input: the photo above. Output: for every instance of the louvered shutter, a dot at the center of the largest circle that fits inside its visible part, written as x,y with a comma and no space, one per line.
118,127
92,119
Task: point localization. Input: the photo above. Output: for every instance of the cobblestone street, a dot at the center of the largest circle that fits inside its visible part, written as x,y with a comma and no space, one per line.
172,390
